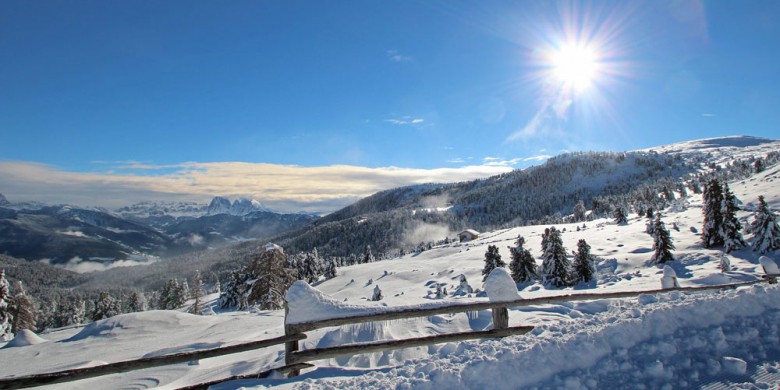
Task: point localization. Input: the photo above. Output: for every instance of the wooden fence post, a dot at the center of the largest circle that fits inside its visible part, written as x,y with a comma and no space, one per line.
500,318
291,346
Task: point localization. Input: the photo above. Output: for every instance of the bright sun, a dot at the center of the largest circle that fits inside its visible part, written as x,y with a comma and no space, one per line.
575,66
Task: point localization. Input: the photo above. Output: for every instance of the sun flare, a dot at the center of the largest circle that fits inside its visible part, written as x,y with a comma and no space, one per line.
575,66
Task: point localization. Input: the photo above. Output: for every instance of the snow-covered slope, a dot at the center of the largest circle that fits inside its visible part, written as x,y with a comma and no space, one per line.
675,338
721,149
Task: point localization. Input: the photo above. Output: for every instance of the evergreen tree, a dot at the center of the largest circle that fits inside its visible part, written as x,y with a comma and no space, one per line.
556,267
105,306
5,314
330,269
492,260
377,294
579,211
766,233
662,243
620,216
732,238
272,279
368,256
169,296
70,312
136,302
235,293
196,294
584,270
711,234
183,294
545,237
312,267
523,265
23,310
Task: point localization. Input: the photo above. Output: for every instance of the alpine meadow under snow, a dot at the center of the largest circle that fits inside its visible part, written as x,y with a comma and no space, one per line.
581,223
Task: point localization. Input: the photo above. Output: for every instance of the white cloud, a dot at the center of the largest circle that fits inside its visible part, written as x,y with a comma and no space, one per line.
500,162
281,187
541,157
708,115
405,120
77,264
395,56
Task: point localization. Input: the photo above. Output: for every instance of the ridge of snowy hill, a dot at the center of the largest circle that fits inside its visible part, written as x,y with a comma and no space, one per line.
399,219
721,149
682,339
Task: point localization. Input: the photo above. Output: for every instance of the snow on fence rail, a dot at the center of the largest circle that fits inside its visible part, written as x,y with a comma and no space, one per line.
132,365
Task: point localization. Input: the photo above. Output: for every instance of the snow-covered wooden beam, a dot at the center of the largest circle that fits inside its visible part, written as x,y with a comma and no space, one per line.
132,365
405,312
361,348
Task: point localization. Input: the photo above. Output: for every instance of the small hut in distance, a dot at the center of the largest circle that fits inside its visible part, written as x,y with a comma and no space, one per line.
468,235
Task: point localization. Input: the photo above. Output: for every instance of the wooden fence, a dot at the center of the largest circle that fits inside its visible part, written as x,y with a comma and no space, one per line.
296,359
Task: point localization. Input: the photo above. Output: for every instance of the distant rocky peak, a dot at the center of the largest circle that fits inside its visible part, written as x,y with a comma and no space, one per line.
240,206
219,205
3,200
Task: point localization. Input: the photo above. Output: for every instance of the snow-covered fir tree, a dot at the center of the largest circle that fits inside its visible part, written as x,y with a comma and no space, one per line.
523,265
619,215
312,269
6,332
368,256
272,279
234,294
556,267
492,260
377,294
584,269
579,211
711,234
105,306
71,311
196,294
662,242
23,310
136,302
171,296
766,232
730,230
329,270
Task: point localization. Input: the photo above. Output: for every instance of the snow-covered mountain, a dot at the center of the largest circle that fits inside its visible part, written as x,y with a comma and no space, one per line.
722,339
152,209
3,200
67,234
240,206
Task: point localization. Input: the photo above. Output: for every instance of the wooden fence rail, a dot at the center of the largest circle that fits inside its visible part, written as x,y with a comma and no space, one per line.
139,364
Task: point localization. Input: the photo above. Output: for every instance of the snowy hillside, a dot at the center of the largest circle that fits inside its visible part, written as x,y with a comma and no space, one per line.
675,338
722,149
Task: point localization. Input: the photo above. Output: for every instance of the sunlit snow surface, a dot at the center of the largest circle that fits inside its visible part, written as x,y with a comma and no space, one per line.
678,339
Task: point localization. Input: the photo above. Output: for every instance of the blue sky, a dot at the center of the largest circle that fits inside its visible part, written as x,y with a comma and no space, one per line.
139,88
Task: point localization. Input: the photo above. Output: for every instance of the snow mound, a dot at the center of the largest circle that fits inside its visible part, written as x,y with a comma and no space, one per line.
24,338
500,287
770,267
669,280
139,324
306,304
734,365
